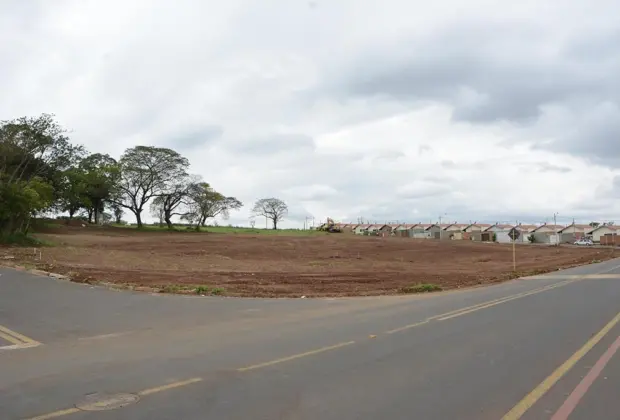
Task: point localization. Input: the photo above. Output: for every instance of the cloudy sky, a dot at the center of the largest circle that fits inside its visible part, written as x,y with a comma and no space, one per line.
393,110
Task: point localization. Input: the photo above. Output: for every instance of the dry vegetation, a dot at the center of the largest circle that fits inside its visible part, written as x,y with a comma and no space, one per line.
278,266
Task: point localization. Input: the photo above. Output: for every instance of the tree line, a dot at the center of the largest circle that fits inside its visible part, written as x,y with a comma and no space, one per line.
41,171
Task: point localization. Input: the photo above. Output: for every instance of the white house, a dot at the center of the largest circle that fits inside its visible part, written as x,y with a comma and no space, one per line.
361,228
573,232
602,230
547,234
501,232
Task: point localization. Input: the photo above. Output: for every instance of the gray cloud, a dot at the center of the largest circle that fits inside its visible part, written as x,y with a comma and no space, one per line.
547,167
270,145
196,138
490,71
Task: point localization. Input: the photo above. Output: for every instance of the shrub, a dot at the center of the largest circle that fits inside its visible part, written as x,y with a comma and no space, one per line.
422,288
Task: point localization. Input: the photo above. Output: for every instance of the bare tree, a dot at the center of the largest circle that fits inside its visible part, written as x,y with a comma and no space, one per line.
273,209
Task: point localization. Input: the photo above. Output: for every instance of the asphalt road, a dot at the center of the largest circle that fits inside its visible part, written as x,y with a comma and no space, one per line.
537,348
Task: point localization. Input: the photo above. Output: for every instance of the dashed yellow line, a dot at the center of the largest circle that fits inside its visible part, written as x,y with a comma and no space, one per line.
295,356
504,300
168,386
143,393
55,414
407,327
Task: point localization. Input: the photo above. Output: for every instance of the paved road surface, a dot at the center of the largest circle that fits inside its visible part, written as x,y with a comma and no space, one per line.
538,348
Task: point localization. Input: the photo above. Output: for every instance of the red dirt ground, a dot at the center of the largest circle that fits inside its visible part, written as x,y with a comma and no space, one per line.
279,266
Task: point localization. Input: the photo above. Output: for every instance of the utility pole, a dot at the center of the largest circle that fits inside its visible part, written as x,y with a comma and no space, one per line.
441,228
555,226
514,248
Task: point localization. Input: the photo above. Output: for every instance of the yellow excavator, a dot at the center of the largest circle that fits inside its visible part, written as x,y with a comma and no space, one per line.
330,226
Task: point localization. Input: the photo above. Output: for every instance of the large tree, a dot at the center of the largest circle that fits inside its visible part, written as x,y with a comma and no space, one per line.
273,209
101,175
145,173
73,197
203,203
171,201
35,154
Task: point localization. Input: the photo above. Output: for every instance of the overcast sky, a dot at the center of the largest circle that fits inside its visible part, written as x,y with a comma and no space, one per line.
393,110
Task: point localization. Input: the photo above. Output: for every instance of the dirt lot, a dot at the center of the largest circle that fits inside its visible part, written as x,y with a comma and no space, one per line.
262,265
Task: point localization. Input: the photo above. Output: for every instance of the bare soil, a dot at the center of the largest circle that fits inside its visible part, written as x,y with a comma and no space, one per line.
281,266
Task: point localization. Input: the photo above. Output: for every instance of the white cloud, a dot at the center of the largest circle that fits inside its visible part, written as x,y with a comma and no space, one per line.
403,113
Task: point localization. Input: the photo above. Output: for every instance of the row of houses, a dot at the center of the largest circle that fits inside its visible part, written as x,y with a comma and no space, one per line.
503,233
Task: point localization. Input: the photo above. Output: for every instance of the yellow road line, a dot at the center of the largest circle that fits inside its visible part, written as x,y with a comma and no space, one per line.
530,399
507,299
143,393
55,414
295,356
472,308
4,332
168,386
10,338
407,327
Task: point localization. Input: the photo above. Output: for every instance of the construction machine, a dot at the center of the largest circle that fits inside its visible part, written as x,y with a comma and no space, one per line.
330,226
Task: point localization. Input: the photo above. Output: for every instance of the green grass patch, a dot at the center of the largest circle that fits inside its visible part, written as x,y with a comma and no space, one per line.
223,229
206,290
422,288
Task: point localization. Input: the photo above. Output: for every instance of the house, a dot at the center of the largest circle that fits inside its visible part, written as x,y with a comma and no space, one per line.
361,228
412,230
597,233
379,230
454,231
498,232
436,231
473,231
547,234
420,231
573,232
476,227
403,230
347,227
525,231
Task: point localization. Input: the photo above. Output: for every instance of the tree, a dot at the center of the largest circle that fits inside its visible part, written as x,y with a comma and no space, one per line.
273,209
594,224
73,197
170,201
100,176
146,172
203,202
118,213
34,155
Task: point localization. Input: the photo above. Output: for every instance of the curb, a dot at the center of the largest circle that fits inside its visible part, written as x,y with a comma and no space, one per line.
37,272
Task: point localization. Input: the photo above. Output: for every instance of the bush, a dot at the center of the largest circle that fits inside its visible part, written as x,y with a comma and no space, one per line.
531,238
422,288
206,290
